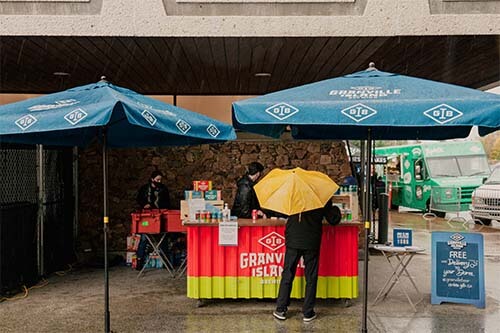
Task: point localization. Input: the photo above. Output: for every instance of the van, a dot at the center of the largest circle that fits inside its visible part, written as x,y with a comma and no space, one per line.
486,200
434,176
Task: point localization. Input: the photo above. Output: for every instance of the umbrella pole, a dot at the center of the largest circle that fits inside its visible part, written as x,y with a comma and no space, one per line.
367,219
105,229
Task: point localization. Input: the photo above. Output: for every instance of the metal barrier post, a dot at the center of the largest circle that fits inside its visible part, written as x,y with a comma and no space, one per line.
383,218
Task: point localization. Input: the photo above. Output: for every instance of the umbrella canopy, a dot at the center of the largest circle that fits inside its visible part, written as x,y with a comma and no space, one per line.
77,116
370,105
390,106
293,191
117,116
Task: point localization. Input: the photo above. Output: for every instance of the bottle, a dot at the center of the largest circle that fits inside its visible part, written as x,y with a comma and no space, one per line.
226,213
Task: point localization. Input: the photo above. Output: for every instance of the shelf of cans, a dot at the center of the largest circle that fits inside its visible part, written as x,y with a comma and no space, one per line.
347,189
346,215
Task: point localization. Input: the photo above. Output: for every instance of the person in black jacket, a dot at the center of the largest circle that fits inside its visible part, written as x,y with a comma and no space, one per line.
154,195
303,239
246,199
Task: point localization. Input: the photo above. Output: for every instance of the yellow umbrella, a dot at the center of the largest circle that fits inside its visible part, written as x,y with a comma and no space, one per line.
293,191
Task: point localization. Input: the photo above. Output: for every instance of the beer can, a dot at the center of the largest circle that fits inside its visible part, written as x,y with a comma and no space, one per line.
254,214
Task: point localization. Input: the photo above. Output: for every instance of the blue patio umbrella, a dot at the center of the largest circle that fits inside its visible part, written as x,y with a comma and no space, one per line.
116,116
370,105
389,106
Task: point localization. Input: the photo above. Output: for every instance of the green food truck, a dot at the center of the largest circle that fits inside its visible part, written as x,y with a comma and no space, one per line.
434,176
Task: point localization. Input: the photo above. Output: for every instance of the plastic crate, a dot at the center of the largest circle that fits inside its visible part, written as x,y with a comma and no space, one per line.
146,222
174,222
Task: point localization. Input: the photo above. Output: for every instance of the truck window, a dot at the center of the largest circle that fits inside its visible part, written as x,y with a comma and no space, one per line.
473,165
443,167
394,166
454,166
494,178
419,169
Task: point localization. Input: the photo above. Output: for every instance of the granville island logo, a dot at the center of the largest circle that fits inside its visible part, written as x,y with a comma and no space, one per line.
266,264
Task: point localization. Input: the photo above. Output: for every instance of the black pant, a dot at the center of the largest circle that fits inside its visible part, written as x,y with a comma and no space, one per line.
311,260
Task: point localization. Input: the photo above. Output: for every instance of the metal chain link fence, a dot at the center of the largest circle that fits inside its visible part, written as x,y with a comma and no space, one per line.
18,173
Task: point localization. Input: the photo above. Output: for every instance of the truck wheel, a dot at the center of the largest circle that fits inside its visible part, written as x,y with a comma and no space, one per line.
482,221
435,212
439,214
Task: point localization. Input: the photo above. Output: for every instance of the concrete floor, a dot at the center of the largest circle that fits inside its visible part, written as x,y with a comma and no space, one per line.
156,303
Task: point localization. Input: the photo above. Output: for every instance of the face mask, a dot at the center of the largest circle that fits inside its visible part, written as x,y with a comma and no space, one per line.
157,184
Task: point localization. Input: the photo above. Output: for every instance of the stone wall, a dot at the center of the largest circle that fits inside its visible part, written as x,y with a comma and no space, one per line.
128,169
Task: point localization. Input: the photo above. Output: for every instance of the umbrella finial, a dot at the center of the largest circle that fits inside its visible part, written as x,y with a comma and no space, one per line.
103,79
371,67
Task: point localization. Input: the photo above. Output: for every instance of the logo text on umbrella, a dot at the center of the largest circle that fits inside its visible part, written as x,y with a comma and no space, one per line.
75,116
213,130
273,241
56,105
183,126
149,117
282,110
359,112
443,113
25,122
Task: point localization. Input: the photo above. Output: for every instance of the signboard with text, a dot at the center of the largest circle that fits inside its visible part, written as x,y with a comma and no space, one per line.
228,233
458,268
402,237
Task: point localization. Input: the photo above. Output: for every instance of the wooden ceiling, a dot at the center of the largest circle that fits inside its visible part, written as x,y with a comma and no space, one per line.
227,65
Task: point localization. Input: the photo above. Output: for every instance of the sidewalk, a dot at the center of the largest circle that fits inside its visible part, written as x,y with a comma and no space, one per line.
157,303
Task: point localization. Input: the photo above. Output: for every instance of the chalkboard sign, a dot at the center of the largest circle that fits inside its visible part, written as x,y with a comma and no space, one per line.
458,268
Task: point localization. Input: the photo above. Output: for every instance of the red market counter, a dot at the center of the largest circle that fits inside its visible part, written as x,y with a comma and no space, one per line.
253,268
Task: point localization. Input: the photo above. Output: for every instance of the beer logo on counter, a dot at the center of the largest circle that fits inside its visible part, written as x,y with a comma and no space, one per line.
282,110
273,241
359,112
443,113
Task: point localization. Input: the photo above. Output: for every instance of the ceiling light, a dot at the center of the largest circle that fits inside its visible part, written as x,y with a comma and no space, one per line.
61,74
262,74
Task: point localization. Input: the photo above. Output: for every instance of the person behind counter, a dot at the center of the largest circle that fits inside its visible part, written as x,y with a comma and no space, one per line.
153,195
246,199
303,239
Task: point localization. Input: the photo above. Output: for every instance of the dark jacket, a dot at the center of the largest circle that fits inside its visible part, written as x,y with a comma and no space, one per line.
245,199
303,231
156,197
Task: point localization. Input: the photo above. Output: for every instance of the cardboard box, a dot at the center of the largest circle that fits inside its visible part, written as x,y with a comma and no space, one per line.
133,242
189,207
202,185
193,195
212,195
130,256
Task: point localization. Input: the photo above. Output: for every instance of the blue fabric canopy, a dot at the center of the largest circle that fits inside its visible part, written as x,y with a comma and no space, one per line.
370,105
391,106
77,116
117,116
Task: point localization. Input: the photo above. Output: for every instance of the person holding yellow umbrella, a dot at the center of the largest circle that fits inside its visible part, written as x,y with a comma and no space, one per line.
306,197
